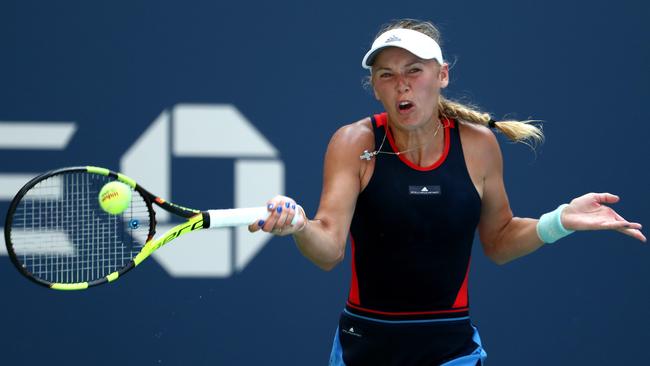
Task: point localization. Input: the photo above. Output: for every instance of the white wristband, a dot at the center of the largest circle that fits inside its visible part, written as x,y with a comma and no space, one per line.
550,228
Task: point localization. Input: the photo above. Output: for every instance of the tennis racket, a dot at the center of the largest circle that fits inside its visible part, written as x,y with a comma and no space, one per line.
58,236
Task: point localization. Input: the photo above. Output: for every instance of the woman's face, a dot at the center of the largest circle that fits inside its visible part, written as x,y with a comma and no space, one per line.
408,86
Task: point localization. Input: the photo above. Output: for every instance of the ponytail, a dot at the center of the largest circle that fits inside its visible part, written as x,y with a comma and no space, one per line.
517,131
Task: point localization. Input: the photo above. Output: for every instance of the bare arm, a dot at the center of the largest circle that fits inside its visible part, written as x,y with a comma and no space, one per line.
506,238
322,240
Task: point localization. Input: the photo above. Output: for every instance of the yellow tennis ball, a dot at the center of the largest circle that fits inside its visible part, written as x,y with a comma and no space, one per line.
115,197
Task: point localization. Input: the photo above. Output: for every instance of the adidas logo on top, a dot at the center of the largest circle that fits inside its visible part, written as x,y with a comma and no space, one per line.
431,190
393,38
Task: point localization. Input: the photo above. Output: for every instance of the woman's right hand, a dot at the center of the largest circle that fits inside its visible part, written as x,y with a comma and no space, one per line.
282,210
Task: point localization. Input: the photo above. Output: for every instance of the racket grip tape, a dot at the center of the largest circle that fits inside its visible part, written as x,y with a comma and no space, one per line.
242,216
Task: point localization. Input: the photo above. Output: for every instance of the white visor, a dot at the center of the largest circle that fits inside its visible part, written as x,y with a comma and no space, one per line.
415,42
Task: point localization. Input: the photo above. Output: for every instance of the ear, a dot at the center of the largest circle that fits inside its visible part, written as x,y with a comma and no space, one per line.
443,75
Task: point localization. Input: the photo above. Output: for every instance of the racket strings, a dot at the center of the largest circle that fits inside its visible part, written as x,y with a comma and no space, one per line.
61,235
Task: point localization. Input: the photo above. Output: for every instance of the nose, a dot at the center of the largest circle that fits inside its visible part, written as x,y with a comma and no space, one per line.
402,84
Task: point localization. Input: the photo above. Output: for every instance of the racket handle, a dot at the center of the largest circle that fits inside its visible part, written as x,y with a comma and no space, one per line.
242,216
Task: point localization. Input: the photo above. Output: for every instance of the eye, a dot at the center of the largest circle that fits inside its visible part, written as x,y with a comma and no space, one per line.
414,70
385,75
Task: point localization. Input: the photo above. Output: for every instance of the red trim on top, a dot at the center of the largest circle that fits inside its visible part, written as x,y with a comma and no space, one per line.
462,296
449,311
382,120
354,282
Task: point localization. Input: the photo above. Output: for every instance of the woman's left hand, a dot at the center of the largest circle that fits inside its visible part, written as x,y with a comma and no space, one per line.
589,212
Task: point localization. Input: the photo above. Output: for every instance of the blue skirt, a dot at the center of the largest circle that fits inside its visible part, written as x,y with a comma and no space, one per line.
360,340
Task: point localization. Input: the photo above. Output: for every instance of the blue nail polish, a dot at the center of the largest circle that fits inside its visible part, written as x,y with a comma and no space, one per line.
287,204
270,206
293,207
279,209
260,223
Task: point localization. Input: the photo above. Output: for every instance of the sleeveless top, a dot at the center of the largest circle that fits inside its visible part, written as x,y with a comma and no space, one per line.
412,234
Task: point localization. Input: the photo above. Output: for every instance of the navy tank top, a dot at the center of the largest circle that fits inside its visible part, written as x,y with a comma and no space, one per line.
412,234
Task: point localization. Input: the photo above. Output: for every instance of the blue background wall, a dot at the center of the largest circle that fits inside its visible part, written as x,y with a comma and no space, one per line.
293,69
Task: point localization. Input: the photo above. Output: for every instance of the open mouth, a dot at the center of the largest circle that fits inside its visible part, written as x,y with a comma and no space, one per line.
405,105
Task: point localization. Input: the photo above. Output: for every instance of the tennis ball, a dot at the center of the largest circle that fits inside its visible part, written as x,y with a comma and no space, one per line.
115,197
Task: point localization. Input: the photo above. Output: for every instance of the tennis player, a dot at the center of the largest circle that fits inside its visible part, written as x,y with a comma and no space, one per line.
411,186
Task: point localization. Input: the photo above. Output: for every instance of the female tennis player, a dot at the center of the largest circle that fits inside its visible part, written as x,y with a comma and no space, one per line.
411,186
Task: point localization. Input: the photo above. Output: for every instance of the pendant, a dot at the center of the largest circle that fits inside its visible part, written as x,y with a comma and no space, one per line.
366,155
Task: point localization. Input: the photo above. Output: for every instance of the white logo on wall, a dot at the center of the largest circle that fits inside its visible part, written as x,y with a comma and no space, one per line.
187,130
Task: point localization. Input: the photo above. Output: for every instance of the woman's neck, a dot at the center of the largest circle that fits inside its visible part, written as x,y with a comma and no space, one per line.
422,145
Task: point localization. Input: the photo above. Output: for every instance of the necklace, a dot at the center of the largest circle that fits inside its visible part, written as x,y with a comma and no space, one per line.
367,155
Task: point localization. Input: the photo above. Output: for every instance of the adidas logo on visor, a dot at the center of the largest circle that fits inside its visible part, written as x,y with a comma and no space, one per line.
393,38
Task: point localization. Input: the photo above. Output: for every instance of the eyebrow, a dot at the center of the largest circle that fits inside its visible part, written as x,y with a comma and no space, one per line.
416,61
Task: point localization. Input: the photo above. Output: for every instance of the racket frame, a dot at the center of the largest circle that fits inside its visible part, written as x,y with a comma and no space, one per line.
196,219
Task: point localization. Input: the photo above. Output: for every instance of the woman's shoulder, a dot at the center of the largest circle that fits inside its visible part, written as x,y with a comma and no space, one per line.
477,135
479,143
357,134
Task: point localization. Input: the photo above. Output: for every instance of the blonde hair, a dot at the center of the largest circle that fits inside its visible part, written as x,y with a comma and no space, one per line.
519,131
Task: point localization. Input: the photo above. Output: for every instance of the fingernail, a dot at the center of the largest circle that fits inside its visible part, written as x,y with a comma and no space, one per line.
270,206
287,204
260,223
279,209
293,207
